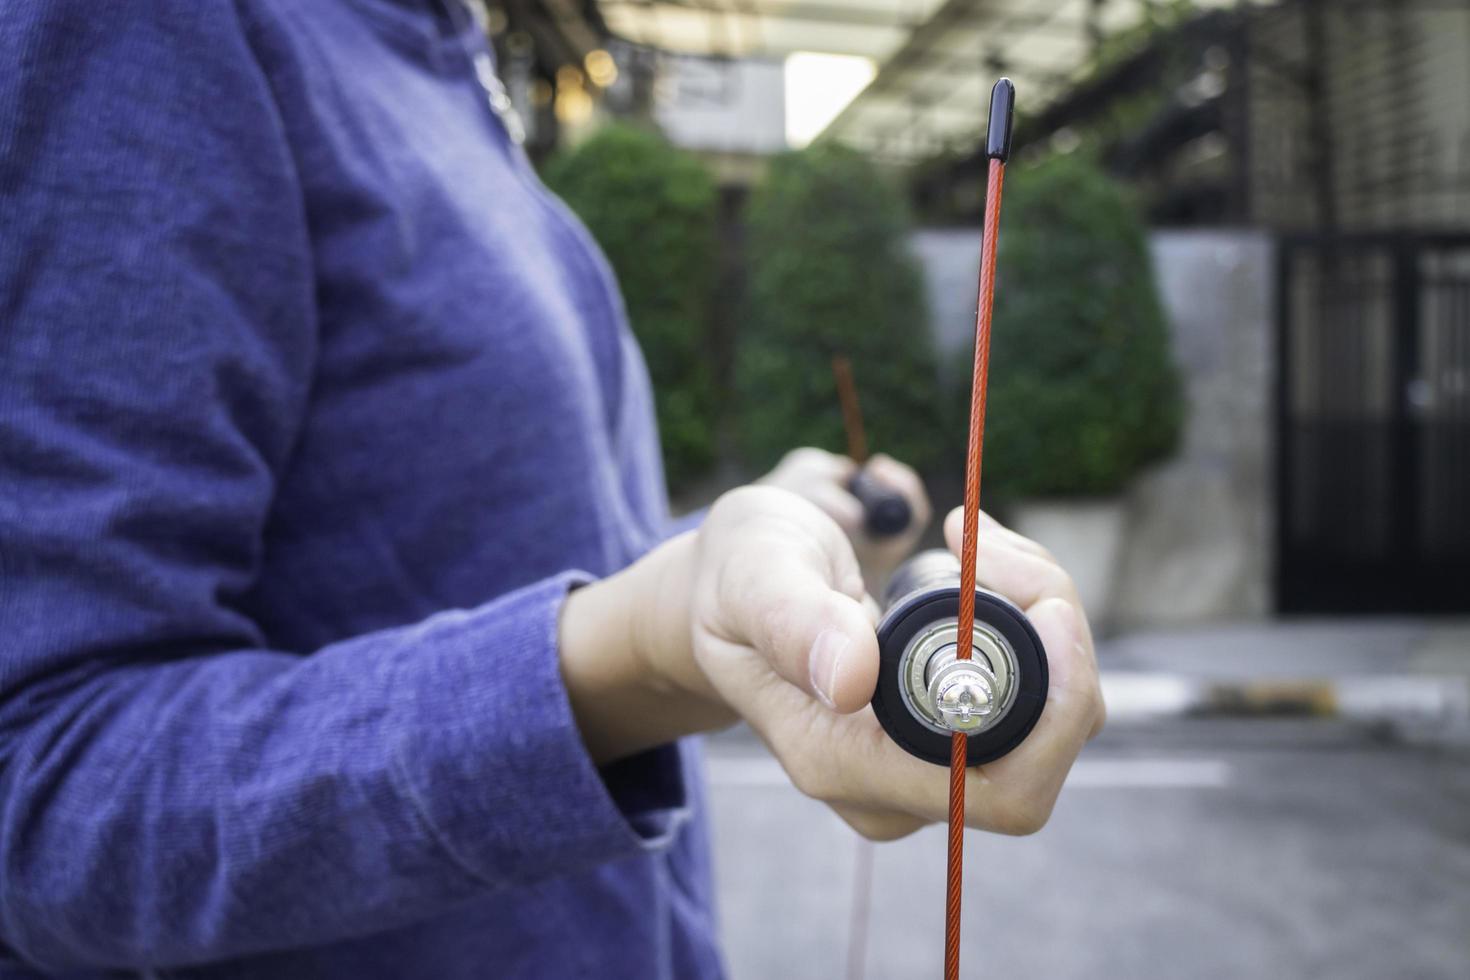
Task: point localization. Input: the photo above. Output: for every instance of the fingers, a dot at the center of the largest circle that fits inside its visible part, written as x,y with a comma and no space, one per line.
821,477
1034,771
1071,665
789,586
1058,626
1014,795
1016,567
785,583
809,463
850,763
890,472
833,466
1074,699
834,501
990,528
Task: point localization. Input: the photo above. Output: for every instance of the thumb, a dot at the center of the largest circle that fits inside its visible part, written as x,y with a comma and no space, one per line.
777,594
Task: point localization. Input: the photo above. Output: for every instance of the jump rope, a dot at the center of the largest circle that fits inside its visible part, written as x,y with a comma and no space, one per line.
963,675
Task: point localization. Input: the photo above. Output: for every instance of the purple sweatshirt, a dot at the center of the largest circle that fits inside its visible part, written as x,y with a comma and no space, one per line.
313,405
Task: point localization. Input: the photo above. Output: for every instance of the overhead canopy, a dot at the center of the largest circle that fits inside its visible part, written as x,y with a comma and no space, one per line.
936,59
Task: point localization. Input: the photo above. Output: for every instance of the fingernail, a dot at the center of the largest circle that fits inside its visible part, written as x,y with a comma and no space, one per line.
826,656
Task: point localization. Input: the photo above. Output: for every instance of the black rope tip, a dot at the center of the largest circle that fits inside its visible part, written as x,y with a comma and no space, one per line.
1002,109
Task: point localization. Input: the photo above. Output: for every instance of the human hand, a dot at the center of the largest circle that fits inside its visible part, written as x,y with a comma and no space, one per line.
823,478
784,634
761,615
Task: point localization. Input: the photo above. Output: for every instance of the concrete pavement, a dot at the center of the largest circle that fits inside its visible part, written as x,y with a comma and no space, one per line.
1180,848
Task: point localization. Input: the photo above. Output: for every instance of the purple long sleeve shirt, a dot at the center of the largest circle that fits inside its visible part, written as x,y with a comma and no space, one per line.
313,405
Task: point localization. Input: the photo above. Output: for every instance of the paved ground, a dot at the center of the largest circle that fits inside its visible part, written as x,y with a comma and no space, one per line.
1189,848
1303,647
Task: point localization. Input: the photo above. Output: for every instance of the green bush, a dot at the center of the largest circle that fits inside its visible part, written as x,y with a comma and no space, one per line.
830,273
653,209
1084,391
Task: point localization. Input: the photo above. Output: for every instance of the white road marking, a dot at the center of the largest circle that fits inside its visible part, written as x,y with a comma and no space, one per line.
760,772
1148,773
1148,695
1139,696
1399,698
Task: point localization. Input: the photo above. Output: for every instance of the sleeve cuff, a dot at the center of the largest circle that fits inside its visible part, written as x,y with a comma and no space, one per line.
493,759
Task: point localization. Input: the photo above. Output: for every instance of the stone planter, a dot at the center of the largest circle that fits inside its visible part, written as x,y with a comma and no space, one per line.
1086,535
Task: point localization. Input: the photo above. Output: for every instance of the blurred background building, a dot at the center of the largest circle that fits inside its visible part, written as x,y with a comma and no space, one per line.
1304,167
1296,539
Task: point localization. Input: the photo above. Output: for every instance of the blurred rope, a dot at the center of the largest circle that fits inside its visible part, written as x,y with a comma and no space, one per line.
861,912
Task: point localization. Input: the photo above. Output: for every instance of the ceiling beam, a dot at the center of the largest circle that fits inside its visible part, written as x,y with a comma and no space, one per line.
801,11
917,52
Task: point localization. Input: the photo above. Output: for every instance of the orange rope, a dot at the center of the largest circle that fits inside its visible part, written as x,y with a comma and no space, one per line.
957,760
852,412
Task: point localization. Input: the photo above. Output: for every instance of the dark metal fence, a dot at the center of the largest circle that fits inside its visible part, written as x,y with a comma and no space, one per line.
1373,405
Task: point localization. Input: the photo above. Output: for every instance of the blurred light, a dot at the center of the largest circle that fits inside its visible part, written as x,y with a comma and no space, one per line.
1208,147
1065,140
1202,88
601,68
573,104
541,93
818,87
495,21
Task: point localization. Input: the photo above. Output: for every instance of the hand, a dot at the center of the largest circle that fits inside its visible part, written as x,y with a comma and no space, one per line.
777,631
761,614
822,477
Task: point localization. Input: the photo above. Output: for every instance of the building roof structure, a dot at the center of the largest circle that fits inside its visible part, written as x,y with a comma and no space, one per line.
935,59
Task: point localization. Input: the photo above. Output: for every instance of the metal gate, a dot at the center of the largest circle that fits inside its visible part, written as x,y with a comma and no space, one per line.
1373,411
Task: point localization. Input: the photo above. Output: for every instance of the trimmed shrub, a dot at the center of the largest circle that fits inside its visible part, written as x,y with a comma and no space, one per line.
829,273
653,209
1084,391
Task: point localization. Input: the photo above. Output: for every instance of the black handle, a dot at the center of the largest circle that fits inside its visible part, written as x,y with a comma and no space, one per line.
1002,110
885,511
